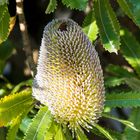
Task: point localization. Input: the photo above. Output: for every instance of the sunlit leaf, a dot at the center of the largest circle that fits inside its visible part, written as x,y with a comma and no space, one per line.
39,126
4,23
3,2
12,23
13,128
59,134
51,132
51,7
75,4
89,26
13,105
22,84
108,25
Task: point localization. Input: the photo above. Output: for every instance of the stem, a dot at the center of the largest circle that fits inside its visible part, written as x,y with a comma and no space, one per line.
25,36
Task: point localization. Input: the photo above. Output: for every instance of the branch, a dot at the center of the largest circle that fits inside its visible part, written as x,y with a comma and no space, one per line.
25,36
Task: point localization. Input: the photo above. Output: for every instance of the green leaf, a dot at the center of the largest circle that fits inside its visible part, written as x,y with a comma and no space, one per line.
4,23
132,9
75,4
80,134
130,49
113,81
123,99
134,83
119,71
59,134
22,84
130,134
2,2
6,49
108,25
104,132
25,124
51,132
13,105
14,128
51,7
68,134
89,26
40,125
2,65
125,122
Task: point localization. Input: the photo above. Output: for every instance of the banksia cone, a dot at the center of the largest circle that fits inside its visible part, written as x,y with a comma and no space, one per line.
69,77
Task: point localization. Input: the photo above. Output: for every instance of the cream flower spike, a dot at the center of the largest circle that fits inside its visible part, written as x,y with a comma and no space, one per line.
69,77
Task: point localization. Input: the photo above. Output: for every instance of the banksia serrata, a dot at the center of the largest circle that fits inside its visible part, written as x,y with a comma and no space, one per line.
69,77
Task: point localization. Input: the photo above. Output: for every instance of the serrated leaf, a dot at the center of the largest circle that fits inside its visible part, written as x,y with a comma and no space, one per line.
49,135
130,49
90,27
75,4
130,134
134,83
119,71
114,81
15,124
125,122
51,7
4,23
39,126
2,2
59,134
80,134
123,99
13,105
22,84
104,132
13,128
108,25
132,9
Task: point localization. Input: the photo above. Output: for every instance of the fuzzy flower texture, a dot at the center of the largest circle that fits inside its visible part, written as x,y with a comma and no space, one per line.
69,77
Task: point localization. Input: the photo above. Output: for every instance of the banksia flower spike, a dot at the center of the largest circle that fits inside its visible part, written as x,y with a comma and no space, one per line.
69,77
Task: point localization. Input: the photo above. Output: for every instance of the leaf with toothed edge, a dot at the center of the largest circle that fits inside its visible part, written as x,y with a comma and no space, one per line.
51,7
13,105
75,4
4,23
40,125
130,134
123,99
15,124
108,25
90,27
132,9
2,2
130,49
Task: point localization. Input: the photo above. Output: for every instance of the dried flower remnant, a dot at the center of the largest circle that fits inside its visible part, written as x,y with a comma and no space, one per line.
69,77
